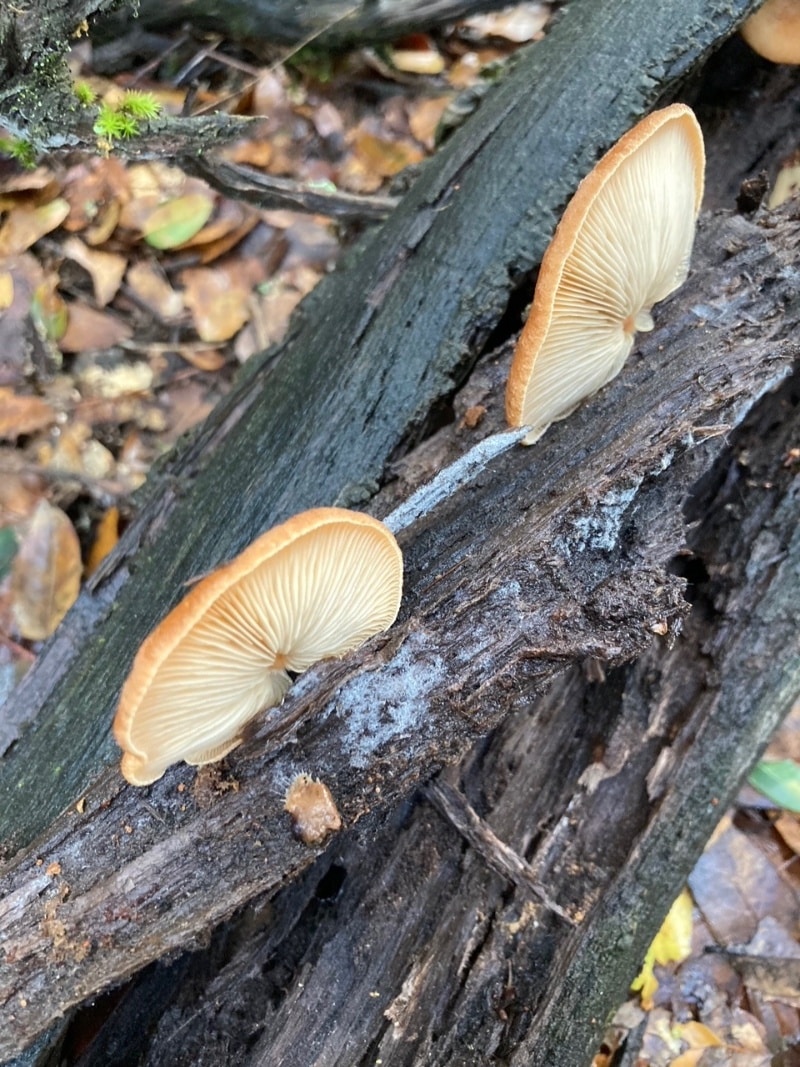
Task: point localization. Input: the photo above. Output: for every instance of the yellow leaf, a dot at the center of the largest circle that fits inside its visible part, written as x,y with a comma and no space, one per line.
672,943
698,1035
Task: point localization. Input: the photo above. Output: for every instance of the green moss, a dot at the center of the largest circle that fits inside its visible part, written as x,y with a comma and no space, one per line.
123,120
17,148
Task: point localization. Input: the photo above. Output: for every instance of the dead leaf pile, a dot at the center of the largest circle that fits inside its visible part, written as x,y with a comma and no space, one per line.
721,982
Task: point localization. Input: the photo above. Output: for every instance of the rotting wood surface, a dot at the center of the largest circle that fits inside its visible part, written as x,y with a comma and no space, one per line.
377,346
552,556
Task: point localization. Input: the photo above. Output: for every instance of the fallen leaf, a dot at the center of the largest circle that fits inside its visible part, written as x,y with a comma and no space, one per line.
25,181
106,269
779,782
25,226
735,887
788,826
672,943
105,538
6,290
383,157
176,222
46,572
521,23
96,190
23,414
110,376
202,357
424,116
90,329
151,287
219,308
49,310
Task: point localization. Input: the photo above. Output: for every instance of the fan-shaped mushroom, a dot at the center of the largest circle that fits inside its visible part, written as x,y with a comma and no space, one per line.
622,245
774,31
314,587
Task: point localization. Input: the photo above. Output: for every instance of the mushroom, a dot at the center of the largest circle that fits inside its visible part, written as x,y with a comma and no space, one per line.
316,586
312,809
622,245
774,31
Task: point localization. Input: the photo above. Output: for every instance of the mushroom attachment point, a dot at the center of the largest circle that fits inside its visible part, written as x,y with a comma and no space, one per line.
623,243
774,31
316,586
312,810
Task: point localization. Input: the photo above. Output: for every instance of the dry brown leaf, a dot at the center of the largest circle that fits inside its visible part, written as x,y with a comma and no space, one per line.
89,329
106,269
15,322
46,572
23,414
95,190
271,310
202,357
219,307
188,403
788,826
151,287
20,491
26,181
268,96
75,450
465,71
112,377
256,153
384,157
520,23
25,225
105,538
734,887
424,116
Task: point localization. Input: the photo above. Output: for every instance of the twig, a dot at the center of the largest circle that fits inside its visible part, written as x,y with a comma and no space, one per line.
455,807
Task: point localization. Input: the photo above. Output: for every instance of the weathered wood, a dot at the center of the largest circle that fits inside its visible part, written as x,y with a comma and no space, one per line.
378,345
328,23
553,555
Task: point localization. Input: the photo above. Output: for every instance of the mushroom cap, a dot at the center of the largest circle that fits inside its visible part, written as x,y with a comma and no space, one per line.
774,31
622,245
316,586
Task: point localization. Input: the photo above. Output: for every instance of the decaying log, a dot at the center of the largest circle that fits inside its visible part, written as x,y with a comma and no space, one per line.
550,556
327,23
378,346
547,558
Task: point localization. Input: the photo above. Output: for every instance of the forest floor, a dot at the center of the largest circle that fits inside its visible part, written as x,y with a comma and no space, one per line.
130,294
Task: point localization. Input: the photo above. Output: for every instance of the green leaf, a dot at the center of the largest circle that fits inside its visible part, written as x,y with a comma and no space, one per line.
8,549
778,782
178,220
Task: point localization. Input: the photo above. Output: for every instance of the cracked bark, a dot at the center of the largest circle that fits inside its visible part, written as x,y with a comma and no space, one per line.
548,558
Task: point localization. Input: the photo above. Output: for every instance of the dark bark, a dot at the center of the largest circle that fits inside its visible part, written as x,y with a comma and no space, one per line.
328,23
549,557
377,347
